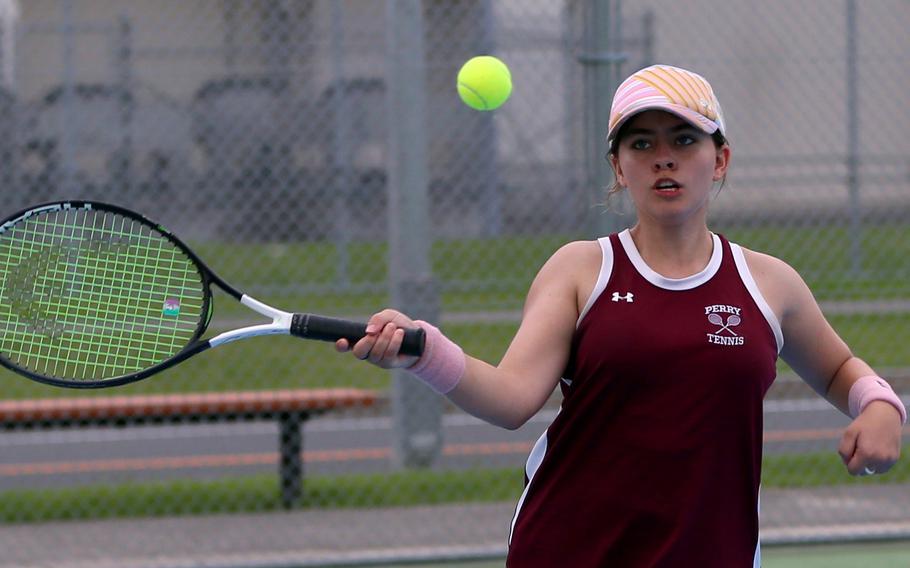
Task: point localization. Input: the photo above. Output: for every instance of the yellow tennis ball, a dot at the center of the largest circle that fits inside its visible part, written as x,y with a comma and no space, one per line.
484,82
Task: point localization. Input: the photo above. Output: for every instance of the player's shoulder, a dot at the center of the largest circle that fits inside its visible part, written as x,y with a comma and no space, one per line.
775,277
573,260
764,263
576,249
577,254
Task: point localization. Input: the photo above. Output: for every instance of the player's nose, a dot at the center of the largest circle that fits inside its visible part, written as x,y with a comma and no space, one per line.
663,158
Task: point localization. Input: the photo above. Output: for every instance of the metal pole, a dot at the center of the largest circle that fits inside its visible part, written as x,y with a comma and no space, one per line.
489,174
290,463
9,20
231,35
124,63
417,410
67,160
341,151
647,50
853,185
602,63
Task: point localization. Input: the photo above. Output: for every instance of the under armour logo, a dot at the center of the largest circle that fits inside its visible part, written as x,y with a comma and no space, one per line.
628,297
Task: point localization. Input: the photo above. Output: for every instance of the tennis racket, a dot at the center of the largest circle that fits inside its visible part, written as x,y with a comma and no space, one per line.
93,295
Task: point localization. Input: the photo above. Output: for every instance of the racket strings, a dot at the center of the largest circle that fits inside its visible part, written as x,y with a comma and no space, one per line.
90,294
90,326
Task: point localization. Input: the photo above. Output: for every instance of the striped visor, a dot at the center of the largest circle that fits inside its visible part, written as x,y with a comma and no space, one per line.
671,89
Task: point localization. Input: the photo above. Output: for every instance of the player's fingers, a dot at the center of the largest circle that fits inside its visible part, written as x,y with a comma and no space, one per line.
871,460
378,320
874,467
868,459
404,321
865,465
342,346
380,351
857,464
395,343
847,447
395,347
364,347
383,329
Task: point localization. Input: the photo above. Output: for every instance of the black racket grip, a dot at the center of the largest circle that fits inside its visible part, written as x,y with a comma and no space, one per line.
309,326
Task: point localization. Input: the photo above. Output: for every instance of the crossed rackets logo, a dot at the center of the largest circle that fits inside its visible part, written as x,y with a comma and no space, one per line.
733,320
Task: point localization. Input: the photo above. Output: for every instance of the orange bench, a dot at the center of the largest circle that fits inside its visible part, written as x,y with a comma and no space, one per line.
289,407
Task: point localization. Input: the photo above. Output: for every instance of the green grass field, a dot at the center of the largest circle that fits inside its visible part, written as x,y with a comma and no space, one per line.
260,493
822,256
495,273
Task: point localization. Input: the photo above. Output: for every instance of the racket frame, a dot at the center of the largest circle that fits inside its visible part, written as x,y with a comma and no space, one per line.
283,323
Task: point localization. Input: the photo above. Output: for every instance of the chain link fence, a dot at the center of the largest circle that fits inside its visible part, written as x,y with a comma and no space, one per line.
316,155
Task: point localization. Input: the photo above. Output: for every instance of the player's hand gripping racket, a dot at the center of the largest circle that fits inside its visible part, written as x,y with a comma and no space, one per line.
93,295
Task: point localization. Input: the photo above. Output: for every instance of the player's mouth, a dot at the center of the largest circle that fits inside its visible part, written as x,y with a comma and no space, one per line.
667,186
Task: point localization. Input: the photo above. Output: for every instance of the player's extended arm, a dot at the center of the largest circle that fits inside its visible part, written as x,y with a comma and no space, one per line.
510,393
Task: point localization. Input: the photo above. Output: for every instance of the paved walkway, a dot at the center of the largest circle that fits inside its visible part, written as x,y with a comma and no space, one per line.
336,538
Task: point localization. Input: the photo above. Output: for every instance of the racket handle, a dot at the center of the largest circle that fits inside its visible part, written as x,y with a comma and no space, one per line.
309,326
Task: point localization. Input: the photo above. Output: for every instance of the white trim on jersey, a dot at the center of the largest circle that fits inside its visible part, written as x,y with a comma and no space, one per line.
661,281
534,461
756,559
606,269
746,275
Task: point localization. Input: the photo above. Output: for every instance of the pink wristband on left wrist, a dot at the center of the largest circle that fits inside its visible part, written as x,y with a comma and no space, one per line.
869,389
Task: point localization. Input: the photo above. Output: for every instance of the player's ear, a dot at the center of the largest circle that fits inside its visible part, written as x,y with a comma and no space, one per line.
722,162
617,169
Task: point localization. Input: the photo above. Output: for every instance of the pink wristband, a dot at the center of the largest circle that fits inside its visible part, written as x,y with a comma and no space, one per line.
870,388
442,364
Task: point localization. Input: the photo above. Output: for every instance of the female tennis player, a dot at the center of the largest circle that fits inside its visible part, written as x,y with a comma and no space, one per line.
663,339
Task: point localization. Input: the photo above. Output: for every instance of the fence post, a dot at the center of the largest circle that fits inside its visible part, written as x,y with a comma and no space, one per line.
853,185
417,410
67,143
123,58
603,62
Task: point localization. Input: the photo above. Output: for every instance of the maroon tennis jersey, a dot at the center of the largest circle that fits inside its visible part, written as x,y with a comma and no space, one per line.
654,459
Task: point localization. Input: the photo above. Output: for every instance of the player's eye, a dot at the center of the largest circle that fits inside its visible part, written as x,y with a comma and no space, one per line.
639,144
686,139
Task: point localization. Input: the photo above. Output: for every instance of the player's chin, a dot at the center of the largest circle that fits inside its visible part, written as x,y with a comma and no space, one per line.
678,207
671,213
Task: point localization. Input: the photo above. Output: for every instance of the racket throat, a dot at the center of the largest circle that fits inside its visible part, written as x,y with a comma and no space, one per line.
281,323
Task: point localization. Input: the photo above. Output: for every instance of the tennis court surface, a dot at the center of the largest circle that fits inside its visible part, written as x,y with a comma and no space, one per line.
868,555
411,535
871,555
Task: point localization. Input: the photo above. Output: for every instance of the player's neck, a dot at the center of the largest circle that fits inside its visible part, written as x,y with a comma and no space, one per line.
674,251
